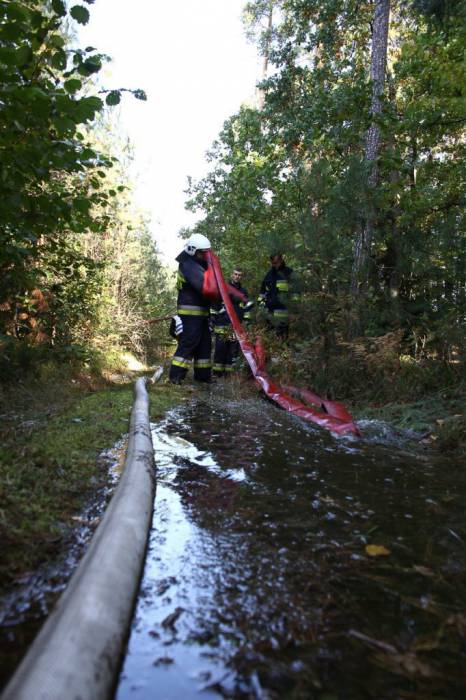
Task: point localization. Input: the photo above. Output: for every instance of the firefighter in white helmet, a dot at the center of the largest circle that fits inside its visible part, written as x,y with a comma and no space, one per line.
195,286
197,290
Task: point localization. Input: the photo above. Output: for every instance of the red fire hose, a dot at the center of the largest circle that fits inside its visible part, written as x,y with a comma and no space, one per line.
334,416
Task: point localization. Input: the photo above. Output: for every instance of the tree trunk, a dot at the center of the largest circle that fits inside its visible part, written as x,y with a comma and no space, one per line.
393,243
372,143
265,65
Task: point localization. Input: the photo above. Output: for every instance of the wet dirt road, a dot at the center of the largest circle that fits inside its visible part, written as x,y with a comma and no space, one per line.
258,583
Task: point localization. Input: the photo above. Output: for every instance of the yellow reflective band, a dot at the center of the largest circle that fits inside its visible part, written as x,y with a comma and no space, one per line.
281,313
226,336
202,363
182,312
283,286
192,311
229,368
180,280
218,368
181,362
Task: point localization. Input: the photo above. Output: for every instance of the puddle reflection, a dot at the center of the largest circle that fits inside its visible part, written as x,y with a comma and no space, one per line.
258,583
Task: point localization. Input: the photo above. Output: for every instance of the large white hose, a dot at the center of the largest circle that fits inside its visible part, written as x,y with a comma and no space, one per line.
78,651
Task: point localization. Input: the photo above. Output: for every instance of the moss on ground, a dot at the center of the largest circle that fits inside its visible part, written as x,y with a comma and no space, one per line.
51,435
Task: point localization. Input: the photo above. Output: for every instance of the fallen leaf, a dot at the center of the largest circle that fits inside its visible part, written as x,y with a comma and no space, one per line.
407,664
163,661
376,550
169,621
424,571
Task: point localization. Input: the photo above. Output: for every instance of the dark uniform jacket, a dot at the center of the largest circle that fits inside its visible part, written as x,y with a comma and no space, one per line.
220,315
190,279
275,288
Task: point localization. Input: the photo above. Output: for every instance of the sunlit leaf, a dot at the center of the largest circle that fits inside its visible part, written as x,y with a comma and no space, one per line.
377,550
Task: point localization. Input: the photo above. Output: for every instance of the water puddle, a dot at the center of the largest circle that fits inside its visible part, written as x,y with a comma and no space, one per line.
174,592
285,563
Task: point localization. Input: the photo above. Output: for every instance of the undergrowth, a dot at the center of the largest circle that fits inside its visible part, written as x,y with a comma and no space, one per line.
369,370
53,428
378,378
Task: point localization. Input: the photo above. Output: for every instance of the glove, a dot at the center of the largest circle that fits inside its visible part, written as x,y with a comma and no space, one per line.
176,326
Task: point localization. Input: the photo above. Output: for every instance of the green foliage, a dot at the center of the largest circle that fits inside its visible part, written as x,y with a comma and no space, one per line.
113,98
50,442
290,172
80,14
62,201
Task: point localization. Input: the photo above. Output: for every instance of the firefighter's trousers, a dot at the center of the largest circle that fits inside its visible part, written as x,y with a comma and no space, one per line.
194,343
225,353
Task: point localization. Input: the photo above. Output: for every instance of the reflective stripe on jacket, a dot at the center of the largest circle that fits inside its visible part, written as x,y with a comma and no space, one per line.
275,288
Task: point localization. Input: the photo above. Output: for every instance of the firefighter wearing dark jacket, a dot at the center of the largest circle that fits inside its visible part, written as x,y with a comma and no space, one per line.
197,290
226,345
193,310
274,293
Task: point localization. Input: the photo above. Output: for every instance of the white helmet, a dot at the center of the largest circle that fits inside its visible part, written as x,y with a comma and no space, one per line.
196,242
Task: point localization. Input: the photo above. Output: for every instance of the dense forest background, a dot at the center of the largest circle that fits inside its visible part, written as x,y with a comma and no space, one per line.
79,271
348,159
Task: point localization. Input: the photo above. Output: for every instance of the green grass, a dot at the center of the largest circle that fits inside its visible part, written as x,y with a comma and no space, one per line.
441,415
51,435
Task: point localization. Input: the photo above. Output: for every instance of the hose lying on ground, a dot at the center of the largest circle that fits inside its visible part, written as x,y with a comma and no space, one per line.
78,651
334,417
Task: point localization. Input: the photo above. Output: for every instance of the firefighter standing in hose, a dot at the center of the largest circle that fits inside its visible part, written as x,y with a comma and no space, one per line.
197,289
226,345
274,292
